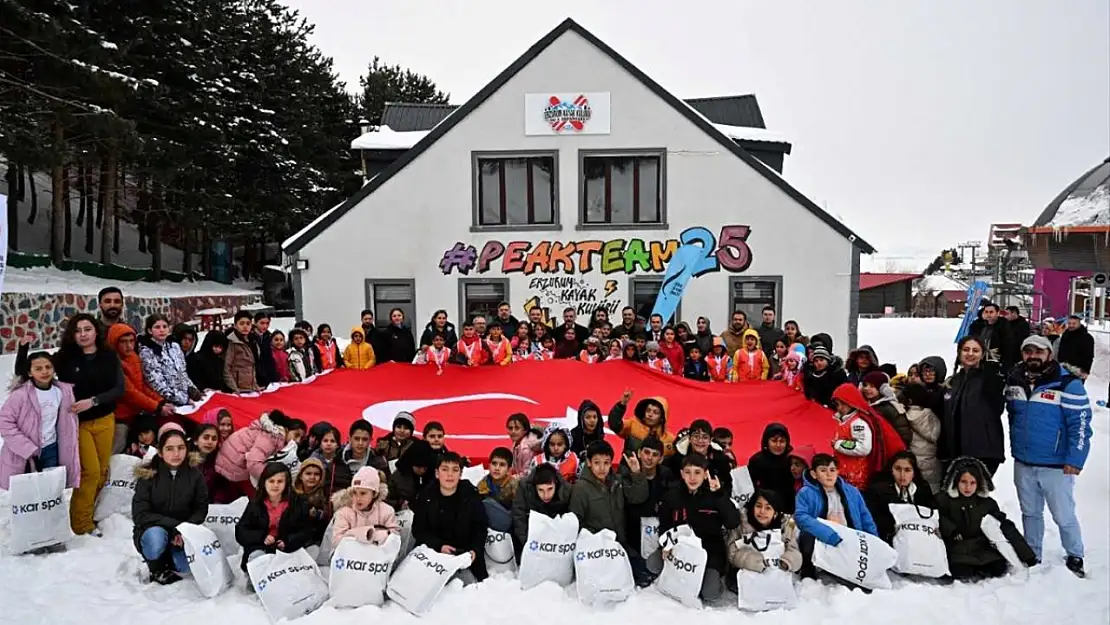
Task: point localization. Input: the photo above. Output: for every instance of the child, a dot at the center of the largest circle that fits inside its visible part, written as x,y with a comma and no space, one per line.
437,354
630,352
206,442
791,371
392,445
749,362
276,519
38,425
926,431
769,468
302,359
591,354
800,459
614,350
649,418
224,424
500,349
359,353
547,348
541,491
449,517
556,445
522,348
655,359
336,474
413,473
719,362
860,445
327,350
242,457
523,331
778,355
357,453
695,368
761,515
901,482
641,346
827,496
471,350
241,357
962,505
599,497
722,436
526,442
435,435
281,357
588,430
310,485
141,435
361,511
876,389
498,490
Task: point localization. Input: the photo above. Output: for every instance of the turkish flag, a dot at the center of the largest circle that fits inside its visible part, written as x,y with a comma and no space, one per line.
473,403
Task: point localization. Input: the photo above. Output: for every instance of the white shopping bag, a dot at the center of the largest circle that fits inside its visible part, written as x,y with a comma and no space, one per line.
772,589
421,577
683,567
602,571
119,490
474,474
360,572
860,558
288,584
40,516
742,487
548,555
917,540
323,558
649,536
222,519
992,529
207,559
499,552
288,457
404,522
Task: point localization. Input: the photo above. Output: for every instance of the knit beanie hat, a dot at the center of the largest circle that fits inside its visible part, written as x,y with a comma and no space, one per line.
821,352
367,478
168,427
876,379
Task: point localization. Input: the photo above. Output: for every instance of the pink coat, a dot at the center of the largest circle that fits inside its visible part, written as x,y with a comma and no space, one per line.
21,429
351,523
243,455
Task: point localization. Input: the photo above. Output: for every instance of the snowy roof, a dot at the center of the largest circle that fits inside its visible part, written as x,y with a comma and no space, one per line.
938,282
876,280
1085,202
311,224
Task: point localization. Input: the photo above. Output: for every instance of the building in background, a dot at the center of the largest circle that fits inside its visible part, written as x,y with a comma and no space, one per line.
882,294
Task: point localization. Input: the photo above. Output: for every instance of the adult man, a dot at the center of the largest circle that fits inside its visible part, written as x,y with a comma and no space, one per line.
1077,348
535,315
480,325
768,332
110,299
627,328
655,328
734,335
570,316
509,323
1050,434
370,331
1019,326
994,331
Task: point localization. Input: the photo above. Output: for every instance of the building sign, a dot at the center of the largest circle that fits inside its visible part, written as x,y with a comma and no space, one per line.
566,114
553,294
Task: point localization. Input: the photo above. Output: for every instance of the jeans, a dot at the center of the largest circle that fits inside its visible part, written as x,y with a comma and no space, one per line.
1037,486
155,541
48,457
499,519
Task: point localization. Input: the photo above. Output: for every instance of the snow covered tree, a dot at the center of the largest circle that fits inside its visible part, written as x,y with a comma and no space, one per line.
392,83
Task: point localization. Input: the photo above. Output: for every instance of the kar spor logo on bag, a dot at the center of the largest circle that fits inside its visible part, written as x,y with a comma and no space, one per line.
341,564
128,484
207,550
222,520
41,506
683,565
917,527
276,574
559,548
435,566
597,554
495,538
863,550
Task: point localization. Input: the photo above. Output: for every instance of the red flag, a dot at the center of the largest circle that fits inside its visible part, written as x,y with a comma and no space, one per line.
473,403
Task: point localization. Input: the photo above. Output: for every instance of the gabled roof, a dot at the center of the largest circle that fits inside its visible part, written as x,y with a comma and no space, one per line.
406,116
294,244
876,280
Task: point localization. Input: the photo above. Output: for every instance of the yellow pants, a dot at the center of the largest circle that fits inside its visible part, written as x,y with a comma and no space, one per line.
94,448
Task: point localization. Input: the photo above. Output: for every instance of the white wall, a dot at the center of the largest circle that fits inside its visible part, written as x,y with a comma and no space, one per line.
402,229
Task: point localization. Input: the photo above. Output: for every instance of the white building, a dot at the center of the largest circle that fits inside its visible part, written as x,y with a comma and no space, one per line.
570,181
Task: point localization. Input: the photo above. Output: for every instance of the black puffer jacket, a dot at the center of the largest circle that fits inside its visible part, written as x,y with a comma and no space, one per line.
527,501
295,527
204,367
961,520
771,472
819,385
1077,348
580,440
999,340
458,520
398,344
971,423
658,487
165,500
709,514
883,491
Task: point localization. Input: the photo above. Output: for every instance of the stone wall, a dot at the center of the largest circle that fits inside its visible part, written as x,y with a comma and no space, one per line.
42,315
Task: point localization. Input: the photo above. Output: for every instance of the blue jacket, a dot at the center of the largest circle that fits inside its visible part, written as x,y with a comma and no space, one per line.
1050,421
811,504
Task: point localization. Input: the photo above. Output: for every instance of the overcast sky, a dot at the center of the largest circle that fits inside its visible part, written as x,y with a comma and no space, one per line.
917,122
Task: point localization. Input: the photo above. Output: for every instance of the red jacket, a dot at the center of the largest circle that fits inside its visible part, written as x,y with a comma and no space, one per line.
674,355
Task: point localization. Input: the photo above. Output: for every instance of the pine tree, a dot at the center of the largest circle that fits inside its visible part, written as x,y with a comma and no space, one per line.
384,83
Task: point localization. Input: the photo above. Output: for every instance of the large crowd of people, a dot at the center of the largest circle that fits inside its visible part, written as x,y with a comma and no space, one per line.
921,436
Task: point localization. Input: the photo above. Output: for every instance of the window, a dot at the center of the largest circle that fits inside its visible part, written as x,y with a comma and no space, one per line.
481,297
751,294
622,188
644,292
383,296
515,190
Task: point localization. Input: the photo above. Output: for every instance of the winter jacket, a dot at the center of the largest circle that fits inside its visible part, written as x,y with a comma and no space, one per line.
746,544
337,475
21,431
450,335
165,499
855,374
220,490
458,520
205,368
695,370
633,429
398,344
884,491
1077,349
138,396
567,464
164,369
388,448
972,420
771,472
674,354
580,440
926,430
748,366
600,506
658,486
527,501
710,514
280,358
294,528
97,375
820,385
734,341
240,364
405,485
720,465
1050,417
961,521
524,451
359,355
302,364
351,523
347,455
243,455
768,334
503,493
812,503
887,407
328,355
999,341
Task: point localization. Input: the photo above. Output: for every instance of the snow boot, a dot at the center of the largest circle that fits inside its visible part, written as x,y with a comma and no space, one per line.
161,571
1075,565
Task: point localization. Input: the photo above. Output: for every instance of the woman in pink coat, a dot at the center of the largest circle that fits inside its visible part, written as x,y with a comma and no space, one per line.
243,455
38,425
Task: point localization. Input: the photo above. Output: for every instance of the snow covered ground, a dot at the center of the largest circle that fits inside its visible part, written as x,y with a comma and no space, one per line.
54,280
96,581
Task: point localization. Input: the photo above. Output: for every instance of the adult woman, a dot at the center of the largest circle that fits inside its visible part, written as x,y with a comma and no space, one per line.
685,337
398,341
138,396
972,421
704,336
168,492
84,361
438,325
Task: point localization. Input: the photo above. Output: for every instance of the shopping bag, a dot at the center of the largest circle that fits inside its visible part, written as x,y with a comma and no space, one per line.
499,552
649,536
323,557
771,589
474,474
684,562
917,541
40,516
288,457
119,490
404,522
548,555
360,572
288,584
421,577
742,487
992,529
207,559
222,519
860,558
602,571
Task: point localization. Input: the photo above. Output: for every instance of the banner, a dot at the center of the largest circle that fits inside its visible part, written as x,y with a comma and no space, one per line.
474,403
4,237
975,294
